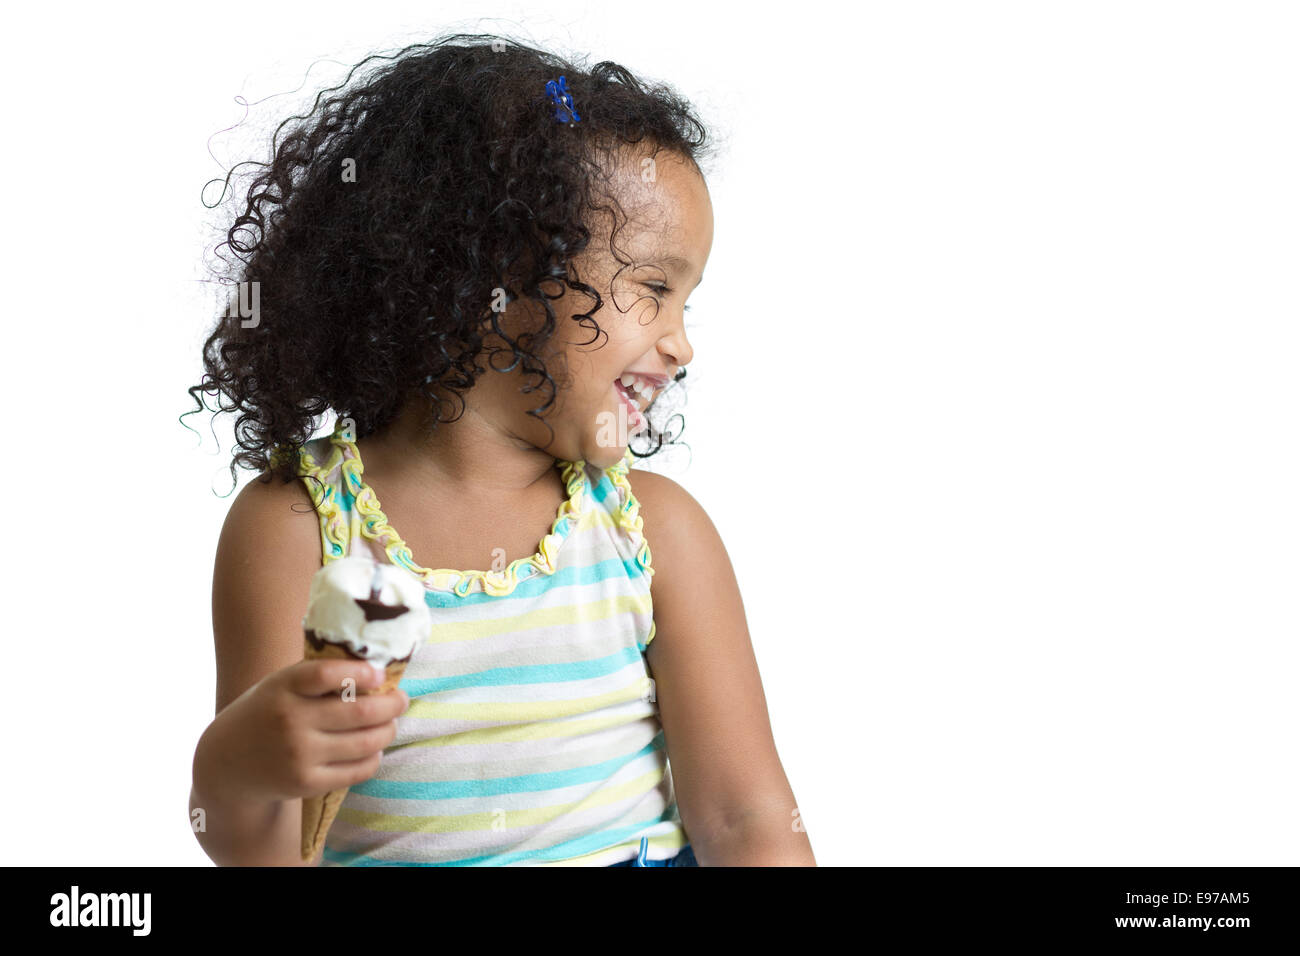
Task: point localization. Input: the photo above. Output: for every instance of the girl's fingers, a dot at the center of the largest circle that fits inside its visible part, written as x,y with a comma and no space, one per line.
318,677
336,776
332,713
344,746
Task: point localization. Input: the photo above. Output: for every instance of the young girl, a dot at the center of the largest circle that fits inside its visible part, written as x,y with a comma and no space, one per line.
478,259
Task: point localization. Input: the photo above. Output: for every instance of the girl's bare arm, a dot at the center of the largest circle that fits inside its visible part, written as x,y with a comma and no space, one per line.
732,793
267,553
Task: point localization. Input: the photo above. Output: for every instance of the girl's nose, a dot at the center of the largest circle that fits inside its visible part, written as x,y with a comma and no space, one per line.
677,350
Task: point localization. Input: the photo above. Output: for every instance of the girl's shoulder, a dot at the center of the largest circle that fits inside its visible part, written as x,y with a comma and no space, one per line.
666,514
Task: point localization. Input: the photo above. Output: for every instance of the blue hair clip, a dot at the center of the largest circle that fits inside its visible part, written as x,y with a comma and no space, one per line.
560,96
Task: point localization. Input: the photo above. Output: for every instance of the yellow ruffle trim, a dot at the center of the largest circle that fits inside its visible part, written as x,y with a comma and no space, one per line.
374,523
334,527
629,510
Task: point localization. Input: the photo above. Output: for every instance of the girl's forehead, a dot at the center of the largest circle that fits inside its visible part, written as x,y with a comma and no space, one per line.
670,214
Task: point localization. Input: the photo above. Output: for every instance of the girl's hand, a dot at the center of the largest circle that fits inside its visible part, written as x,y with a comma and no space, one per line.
293,734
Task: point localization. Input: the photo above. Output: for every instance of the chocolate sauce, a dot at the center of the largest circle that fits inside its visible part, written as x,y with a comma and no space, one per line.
318,642
374,610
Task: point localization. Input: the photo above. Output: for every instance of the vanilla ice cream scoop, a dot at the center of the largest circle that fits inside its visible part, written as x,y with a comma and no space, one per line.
375,611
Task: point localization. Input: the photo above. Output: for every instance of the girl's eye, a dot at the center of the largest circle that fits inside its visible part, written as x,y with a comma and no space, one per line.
663,290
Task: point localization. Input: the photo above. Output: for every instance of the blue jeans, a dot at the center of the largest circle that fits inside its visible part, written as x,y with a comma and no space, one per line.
685,857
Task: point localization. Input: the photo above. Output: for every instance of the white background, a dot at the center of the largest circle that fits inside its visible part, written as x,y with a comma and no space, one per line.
994,405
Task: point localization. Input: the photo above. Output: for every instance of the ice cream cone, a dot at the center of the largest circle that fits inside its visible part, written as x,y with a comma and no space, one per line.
359,609
318,812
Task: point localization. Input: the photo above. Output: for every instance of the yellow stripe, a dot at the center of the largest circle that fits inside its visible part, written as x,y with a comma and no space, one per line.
450,632
511,819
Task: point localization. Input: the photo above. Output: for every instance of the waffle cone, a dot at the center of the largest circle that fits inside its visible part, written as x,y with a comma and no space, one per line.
318,812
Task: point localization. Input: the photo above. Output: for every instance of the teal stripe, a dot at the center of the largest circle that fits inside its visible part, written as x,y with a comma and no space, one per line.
603,490
602,840
496,786
525,674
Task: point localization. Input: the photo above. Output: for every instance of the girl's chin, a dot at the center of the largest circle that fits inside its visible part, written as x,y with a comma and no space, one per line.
604,456
594,449
603,447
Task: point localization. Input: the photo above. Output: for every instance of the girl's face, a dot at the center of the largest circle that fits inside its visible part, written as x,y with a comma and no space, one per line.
668,239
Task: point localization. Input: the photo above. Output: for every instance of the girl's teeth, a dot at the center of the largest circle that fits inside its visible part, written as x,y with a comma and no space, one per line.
636,386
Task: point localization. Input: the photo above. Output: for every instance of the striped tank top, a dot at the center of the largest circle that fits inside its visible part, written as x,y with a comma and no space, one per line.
533,737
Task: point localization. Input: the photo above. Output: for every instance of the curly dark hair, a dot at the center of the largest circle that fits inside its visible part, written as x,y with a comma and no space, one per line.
374,290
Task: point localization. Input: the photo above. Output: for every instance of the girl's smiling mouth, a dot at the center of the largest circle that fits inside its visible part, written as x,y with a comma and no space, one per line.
630,397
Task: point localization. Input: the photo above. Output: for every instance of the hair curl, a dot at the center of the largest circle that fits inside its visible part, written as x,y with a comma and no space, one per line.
375,290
